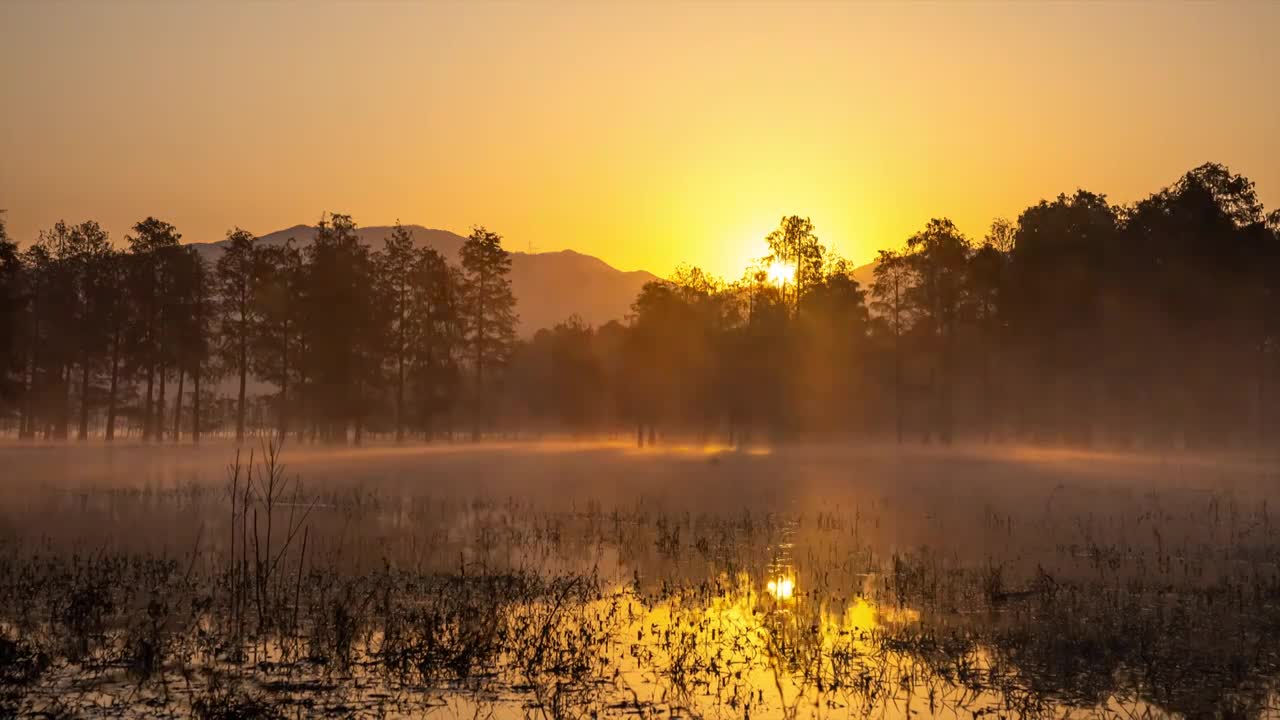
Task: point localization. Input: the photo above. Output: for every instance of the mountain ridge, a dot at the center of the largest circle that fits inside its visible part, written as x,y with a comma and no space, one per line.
549,286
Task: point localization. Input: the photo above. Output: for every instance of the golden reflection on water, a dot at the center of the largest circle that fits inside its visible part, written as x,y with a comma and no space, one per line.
782,588
756,645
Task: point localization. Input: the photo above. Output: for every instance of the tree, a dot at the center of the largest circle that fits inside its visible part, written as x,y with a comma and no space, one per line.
938,256
238,275
1064,262
12,300
344,325
96,291
190,323
278,343
828,347
71,294
119,314
795,245
1002,235
435,335
395,264
150,250
984,282
198,342
488,314
894,276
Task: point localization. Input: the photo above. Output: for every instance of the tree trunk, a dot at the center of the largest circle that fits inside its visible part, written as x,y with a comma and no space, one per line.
946,423
1261,392
83,430
111,393
26,423
177,407
64,409
283,417
240,397
305,405
157,430
897,385
147,408
400,399
195,406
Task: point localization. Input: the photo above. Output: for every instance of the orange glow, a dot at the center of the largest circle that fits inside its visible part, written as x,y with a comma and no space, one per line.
645,134
781,273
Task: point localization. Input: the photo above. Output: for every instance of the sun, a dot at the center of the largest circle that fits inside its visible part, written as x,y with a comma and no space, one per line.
780,273
782,588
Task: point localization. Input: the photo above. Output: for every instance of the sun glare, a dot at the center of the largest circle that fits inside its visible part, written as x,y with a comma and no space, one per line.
782,588
781,273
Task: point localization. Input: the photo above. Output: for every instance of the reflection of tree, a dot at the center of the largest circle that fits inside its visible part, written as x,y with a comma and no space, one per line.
1195,652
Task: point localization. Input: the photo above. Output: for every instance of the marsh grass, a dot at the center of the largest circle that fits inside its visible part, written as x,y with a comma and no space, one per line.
263,596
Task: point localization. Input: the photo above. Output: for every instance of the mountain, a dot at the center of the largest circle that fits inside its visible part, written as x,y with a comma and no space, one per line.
549,287
866,275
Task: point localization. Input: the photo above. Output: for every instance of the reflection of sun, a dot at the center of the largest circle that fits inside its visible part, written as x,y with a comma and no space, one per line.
782,588
780,273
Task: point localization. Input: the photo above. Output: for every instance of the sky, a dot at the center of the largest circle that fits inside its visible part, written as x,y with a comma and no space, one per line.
647,134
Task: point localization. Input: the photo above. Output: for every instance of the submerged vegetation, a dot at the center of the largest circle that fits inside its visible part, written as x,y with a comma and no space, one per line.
695,584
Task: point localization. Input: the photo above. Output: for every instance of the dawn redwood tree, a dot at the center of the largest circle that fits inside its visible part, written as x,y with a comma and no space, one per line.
984,281
344,327
435,335
278,343
829,336
395,266
488,314
893,278
189,327
150,248
36,262
56,311
238,274
795,245
1197,254
938,256
201,325
90,258
1065,261
117,320
12,300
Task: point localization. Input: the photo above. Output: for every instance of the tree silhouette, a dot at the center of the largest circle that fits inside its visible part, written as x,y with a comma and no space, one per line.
395,264
278,346
488,315
893,277
938,256
150,249
984,281
239,273
343,326
12,300
1082,322
435,335
89,256
795,245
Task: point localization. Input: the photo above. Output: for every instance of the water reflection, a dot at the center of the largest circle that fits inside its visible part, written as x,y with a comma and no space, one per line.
782,588
1161,603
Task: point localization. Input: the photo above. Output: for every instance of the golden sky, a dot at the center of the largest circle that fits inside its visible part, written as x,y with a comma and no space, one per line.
645,134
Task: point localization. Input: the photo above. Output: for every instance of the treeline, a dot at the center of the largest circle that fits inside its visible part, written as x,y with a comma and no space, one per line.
348,339
1081,322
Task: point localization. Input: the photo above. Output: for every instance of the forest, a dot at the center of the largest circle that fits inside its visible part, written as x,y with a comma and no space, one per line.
1082,323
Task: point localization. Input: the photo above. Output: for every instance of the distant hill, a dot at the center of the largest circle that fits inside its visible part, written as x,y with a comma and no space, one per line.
549,287
866,275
